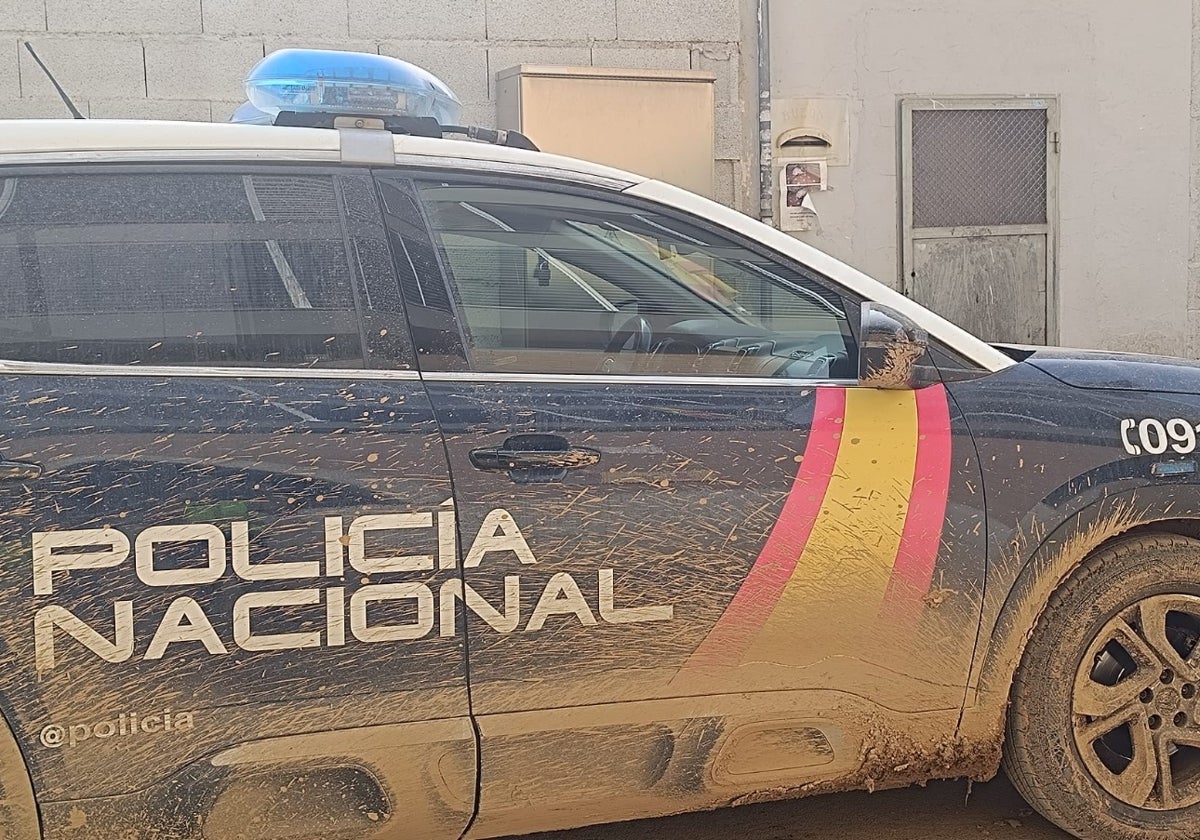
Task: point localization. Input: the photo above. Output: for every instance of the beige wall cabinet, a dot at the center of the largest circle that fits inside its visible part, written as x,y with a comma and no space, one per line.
652,122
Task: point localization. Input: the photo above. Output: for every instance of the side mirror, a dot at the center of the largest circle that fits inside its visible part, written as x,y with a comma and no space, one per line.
890,345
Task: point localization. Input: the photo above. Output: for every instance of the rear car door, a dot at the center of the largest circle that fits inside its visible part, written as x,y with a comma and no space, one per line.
696,558
221,483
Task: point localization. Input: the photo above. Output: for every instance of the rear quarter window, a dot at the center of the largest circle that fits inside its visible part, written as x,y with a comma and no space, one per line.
177,268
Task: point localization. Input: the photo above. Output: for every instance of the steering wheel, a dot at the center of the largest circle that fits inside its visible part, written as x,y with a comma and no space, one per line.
635,327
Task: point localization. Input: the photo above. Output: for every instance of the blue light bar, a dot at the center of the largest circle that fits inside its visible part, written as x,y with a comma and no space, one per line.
335,82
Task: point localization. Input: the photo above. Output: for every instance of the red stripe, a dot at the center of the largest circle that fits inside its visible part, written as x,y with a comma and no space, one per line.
760,591
912,573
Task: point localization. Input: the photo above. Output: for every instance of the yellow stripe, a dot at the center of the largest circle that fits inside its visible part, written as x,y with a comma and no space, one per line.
843,574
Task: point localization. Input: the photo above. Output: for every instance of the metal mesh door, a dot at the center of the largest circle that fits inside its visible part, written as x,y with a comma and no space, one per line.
977,167
978,198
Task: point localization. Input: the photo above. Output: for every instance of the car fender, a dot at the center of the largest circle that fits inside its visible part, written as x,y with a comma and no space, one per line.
1021,583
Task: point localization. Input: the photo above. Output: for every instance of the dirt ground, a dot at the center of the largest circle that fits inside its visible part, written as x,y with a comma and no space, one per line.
939,812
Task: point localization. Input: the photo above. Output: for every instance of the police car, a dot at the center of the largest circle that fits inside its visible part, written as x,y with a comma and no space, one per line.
361,482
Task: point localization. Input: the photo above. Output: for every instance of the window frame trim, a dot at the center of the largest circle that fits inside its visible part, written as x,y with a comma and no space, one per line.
20,368
10,367
632,379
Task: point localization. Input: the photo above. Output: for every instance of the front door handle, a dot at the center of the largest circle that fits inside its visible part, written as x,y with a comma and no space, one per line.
534,458
19,471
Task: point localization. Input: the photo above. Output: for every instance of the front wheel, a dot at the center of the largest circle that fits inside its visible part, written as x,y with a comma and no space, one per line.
1104,723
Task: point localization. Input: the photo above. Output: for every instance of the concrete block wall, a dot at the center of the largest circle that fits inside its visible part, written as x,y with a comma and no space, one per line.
186,59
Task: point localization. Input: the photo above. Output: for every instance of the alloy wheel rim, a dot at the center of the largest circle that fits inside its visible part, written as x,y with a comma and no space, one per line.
1136,704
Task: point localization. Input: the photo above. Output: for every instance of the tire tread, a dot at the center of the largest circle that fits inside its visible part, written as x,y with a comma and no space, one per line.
1018,739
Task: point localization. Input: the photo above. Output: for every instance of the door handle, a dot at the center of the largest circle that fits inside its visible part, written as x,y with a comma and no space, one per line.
499,458
19,471
534,458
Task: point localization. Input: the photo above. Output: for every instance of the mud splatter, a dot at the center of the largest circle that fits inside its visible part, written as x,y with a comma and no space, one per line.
892,758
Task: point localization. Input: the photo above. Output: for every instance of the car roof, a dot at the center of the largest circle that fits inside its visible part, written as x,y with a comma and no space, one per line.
49,139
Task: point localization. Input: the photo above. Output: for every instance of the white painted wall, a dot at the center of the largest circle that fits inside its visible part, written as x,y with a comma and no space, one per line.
1122,73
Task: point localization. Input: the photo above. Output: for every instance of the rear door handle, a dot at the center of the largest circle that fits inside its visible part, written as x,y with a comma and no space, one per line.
19,471
534,458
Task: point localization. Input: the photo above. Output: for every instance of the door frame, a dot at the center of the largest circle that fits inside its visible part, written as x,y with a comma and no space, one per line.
909,234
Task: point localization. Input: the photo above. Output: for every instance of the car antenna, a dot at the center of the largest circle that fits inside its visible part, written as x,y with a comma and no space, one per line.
66,99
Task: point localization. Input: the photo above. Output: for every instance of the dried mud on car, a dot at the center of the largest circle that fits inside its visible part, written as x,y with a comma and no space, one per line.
940,811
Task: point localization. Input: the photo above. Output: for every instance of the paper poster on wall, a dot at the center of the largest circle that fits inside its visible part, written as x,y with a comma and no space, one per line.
799,213
798,180
812,174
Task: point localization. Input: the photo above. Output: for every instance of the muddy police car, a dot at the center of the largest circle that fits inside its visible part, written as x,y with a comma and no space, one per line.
358,482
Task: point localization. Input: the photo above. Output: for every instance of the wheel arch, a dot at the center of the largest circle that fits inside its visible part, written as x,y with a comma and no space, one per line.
1020,585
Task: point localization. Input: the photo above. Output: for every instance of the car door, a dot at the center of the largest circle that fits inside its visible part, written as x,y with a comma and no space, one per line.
696,558
221,483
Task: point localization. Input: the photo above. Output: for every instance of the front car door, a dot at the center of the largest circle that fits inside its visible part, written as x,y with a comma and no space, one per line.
221,487
698,562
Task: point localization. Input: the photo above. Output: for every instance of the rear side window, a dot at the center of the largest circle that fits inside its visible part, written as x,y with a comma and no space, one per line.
178,268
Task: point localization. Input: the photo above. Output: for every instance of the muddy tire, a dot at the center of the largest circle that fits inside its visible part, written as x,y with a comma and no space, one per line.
1104,723
18,812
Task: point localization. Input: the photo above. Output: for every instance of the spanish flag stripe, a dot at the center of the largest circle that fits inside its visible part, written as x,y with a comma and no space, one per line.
912,574
776,563
847,561
860,530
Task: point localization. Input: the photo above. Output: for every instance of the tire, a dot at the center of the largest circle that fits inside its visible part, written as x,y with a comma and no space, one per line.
1102,695
18,811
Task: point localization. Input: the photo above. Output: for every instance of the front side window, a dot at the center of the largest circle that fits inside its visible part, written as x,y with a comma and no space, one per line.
177,268
555,282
